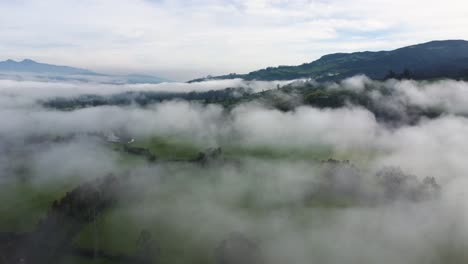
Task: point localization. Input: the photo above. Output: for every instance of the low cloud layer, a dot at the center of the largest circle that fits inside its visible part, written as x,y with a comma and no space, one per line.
325,185
14,92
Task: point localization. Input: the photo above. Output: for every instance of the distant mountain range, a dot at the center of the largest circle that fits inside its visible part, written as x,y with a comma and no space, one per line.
31,70
436,59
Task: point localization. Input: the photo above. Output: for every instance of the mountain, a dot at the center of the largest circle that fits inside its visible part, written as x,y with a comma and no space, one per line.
435,59
28,65
31,70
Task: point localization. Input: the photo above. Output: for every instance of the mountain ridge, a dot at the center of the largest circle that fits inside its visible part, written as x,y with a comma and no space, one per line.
434,59
28,69
28,65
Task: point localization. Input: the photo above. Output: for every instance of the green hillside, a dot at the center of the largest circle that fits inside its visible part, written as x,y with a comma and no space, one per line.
436,59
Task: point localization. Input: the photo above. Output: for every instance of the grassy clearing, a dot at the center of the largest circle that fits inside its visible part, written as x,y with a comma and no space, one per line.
266,152
169,148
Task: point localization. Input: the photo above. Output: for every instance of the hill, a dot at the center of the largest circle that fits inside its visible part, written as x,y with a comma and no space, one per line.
28,65
28,69
435,59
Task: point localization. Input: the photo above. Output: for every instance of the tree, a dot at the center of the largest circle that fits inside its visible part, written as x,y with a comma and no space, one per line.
147,247
406,75
390,75
238,249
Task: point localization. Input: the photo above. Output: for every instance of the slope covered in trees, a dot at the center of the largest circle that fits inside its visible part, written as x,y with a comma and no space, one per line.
436,59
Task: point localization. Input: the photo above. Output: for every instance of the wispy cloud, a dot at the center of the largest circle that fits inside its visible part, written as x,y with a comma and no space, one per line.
181,39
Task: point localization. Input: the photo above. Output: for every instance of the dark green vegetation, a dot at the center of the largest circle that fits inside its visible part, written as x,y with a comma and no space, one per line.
436,59
377,97
226,96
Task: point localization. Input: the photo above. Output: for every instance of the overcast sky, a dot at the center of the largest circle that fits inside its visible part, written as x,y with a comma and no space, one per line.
185,39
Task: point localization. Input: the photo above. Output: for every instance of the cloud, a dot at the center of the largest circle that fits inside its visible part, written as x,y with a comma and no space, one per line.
180,40
12,92
291,205
452,96
342,127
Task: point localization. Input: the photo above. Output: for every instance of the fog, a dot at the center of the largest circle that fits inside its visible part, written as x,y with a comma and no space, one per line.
309,185
38,90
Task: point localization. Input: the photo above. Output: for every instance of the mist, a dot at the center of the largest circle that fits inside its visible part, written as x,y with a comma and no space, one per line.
248,183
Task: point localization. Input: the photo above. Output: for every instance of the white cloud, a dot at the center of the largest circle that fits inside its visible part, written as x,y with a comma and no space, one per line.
221,197
181,39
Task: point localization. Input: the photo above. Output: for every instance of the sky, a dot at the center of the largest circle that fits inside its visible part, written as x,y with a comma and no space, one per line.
182,40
